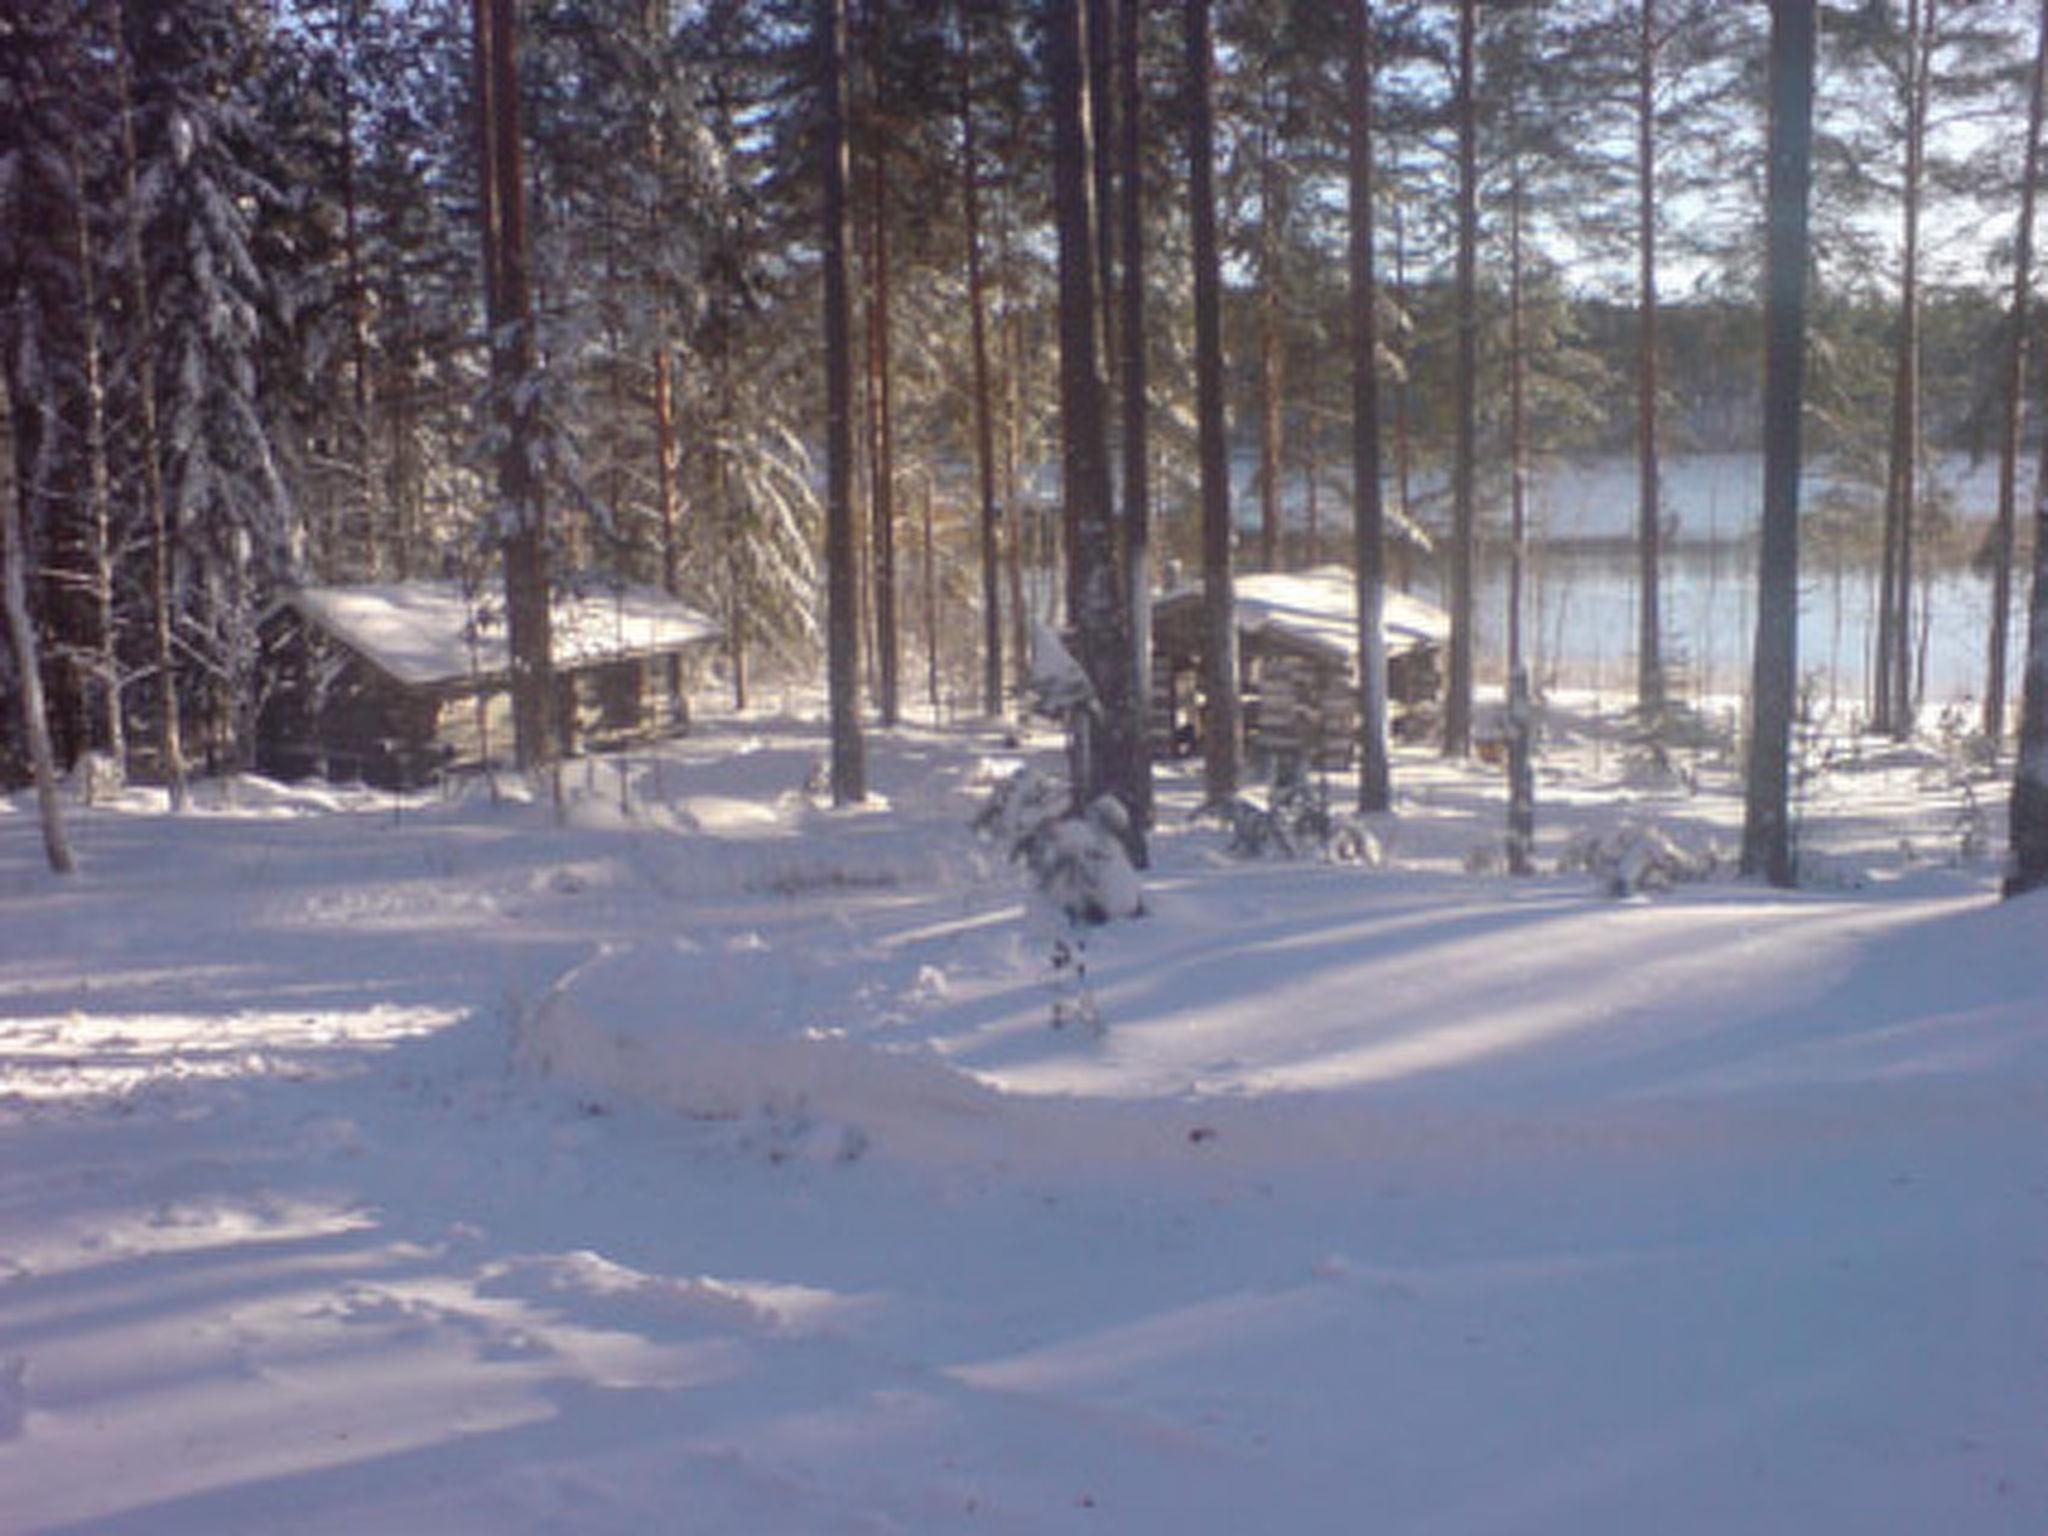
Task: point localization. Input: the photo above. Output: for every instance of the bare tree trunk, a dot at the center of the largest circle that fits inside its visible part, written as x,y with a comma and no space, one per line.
1404,436
170,741
1221,727
35,720
1271,215
984,403
849,765
1368,555
1099,19
1464,467
513,366
358,299
1013,493
1521,840
931,601
733,530
1137,524
1767,813
403,472
1095,597
1650,680
1894,712
665,468
665,507
2028,813
881,419
2015,393
113,726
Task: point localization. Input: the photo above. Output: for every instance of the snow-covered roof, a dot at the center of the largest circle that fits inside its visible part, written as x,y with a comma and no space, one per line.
430,633
1320,607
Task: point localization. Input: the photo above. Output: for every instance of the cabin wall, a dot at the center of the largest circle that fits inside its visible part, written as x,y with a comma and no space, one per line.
1300,701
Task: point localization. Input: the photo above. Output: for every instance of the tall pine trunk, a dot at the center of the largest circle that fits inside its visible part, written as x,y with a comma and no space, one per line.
1368,554
1464,466
35,720
1401,566
1137,523
1894,706
1021,516
881,404
1767,847
1521,841
665,467
357,295
1271,215
1095,598
2028,813
842,570
150,450
1099,23
514,363
732,514
1650,679
99,496
1221,725
2015,396
984,401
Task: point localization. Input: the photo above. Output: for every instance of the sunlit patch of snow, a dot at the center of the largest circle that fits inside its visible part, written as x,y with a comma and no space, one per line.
88,1056
709,1158
778,1307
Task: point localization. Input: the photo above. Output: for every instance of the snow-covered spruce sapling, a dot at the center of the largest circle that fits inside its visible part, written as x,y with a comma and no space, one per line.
1812,759
1295,820
1637,858
1080,874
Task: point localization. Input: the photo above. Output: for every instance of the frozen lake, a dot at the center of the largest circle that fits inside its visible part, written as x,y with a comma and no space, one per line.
1582,593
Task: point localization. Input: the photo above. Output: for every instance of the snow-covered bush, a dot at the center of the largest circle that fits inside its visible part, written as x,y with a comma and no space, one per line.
1295,820
1080,866
1077,863
1964,746
97,776
1637,857
1652,765
1019,803
1080,873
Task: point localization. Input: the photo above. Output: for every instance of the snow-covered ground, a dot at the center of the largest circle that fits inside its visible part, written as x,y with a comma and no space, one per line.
708,1163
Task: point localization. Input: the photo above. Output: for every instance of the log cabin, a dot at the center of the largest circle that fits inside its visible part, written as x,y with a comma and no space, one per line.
393,683
1297,640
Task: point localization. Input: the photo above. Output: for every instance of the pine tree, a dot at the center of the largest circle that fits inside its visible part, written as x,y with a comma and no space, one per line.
1892,707
742,319
520,525
1767,815
2027,822
1375,786
1096,600
849,769
37,184
873,50
149,440
1465,452
1133,310
45,356
983,385
1221,727
2015,393
34,718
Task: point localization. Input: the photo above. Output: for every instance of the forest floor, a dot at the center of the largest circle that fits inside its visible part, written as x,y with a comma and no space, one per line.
706,1160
